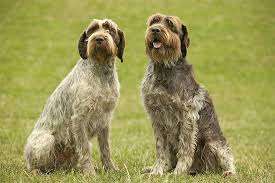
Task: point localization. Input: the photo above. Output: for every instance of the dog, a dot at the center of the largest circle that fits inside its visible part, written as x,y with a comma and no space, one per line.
80,107
186,128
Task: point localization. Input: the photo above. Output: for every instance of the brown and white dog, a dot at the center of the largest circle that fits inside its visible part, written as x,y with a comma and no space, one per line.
81,106
186,128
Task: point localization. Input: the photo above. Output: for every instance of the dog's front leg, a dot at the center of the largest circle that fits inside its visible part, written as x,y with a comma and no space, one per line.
186,146
103,141
82,144
161,164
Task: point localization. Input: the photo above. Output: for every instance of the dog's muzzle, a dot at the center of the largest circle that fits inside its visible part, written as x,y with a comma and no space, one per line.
155,34
99,39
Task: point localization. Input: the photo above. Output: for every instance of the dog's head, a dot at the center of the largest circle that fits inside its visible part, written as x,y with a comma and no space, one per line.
101,41
166,38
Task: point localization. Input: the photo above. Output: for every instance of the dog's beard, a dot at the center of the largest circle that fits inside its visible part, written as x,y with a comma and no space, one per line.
162,48
101,52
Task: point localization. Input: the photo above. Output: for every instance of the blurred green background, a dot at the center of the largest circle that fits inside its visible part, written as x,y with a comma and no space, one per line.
232,50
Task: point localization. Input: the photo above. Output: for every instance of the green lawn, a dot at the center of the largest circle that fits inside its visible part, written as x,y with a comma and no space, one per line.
232,50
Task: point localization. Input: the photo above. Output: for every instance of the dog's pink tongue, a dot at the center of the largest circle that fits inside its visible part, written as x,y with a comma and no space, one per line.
157,44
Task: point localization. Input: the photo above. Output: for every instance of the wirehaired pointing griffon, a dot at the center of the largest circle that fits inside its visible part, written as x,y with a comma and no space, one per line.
81,106
186,128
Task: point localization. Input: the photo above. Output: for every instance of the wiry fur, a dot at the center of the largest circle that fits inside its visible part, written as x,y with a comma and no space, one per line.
170,27
80,108
187,133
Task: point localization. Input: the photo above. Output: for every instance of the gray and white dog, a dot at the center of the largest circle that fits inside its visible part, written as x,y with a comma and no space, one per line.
186,128
81,106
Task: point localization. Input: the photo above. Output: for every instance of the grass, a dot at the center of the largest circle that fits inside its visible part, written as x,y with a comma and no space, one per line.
232,50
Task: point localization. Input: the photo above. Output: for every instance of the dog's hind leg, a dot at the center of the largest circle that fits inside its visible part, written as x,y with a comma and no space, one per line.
226,159
39,152
222,157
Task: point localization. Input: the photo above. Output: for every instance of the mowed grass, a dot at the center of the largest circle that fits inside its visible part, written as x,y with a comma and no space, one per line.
232,50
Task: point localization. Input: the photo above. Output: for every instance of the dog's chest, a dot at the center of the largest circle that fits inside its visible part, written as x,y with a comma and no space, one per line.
164,99
107,97
165,108
102,97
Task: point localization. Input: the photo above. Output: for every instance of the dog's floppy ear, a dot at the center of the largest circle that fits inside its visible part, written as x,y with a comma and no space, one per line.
185,41
120,45
82,46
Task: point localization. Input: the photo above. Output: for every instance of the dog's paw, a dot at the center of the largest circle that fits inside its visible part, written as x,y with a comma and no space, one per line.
228,173
110,167
36,172
153,170
180,169
157,170
147,170
88,170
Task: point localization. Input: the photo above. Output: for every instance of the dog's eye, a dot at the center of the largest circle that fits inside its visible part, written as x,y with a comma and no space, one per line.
169,23
111,31
154,20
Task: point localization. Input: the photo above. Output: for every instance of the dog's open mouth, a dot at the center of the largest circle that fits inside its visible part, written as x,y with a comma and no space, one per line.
156,43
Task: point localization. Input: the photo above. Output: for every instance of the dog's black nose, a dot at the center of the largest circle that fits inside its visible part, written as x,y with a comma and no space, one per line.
155,30
99,39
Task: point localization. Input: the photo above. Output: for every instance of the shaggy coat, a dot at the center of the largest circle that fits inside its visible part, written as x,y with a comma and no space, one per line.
81,106
186,128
